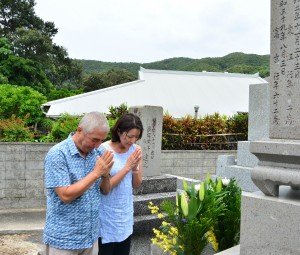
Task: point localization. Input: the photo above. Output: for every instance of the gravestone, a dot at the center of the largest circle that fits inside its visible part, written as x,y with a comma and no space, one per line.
280,155
151,117
258,128
270,217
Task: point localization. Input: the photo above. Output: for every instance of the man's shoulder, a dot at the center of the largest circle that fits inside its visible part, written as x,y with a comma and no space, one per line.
59,148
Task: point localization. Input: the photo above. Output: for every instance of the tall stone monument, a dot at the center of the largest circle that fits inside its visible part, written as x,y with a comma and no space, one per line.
151,117
240,167
279,157
270,217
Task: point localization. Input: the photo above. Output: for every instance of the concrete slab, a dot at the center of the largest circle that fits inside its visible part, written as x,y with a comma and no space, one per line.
270,225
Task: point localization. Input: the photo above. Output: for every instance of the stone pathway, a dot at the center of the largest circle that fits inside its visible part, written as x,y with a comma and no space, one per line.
20,244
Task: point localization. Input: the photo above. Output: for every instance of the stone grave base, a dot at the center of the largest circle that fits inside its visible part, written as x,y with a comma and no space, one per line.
270,225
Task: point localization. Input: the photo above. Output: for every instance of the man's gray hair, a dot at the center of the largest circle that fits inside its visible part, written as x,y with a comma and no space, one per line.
93,120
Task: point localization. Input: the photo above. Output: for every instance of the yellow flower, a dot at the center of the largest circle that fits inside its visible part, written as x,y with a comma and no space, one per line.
174,231
164,223
154,209
211,238
160,215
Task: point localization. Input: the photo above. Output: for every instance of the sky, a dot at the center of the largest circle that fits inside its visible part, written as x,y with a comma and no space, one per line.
146,31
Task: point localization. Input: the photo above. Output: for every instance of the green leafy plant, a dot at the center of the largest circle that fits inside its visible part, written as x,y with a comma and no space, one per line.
15,130
116,112
202,214
210,132
63,127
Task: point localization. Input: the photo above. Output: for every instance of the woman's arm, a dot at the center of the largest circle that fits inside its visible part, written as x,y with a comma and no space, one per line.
137,175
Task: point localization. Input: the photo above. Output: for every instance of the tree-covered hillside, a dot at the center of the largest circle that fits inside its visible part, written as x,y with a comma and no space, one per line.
233,63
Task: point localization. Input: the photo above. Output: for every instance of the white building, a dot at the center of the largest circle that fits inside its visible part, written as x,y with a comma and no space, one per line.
178,92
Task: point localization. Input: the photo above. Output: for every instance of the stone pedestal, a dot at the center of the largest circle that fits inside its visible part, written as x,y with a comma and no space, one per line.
279,164
258,128
270,225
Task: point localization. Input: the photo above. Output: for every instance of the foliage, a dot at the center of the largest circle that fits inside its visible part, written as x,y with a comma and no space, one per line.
116,112
97,80
66,124
94,81
31,39
246,63
238,123
63,126
20,13
202,214
5,48
14,129
3,79
206,133
24,72
62,93
21,101
90,66
111,123
229,236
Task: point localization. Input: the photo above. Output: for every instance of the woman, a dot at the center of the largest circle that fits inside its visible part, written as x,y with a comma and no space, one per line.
116,206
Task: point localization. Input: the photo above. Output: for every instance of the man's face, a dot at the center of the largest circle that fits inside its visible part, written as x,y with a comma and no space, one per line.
88,141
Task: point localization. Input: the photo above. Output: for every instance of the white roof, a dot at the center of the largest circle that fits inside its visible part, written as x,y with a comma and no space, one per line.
178,92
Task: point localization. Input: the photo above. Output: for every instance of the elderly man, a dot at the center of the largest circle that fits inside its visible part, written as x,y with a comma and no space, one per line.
73,172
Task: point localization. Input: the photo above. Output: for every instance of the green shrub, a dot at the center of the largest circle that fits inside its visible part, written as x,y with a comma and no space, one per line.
15,130
116,112
63,126
20,101
206,213
211,132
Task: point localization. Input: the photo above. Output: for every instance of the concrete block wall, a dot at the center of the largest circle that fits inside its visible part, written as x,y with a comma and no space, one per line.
22,171
22,175
191,164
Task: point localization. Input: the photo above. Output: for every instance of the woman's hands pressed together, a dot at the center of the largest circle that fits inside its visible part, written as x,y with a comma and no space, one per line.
134,159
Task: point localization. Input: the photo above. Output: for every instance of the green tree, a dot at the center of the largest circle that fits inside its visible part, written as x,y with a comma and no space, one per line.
115,77
21,101
32,38
25,72
246,69
62,93
93,82
20,13
5,48
110,78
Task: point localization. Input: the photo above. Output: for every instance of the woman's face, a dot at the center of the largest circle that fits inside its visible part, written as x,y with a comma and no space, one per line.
129,137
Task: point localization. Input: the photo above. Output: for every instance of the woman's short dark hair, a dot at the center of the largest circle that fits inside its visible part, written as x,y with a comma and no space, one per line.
125,123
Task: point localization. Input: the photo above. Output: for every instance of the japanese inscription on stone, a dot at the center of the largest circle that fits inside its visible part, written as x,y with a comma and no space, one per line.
285,70
151,117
